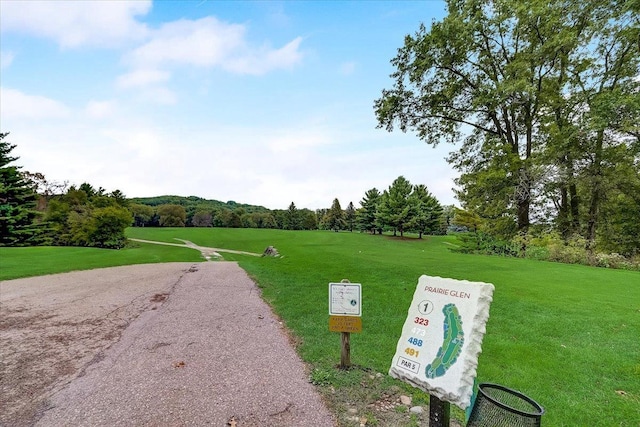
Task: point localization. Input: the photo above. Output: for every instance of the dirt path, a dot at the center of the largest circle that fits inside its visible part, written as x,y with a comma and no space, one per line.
162,345
207,253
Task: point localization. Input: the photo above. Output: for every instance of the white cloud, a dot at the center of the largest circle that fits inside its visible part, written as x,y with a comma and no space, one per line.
100,109
208,43
6,59
77,23
261,61
204,42
159,95
142,77
18,105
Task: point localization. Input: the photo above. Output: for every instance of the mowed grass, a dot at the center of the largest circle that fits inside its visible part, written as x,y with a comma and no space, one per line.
35,261
566,335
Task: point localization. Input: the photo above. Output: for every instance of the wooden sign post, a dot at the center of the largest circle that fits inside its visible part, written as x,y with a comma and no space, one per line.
345,350
345,309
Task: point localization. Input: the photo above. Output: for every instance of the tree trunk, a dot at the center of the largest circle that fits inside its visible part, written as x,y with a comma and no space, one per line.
564,223
345,351
569,212
594,204
523,199
575,207
523,215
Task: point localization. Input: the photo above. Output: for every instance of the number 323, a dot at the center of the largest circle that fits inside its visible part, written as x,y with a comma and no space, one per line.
421,321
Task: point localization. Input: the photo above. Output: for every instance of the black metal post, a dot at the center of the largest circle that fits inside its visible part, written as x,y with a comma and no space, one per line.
439,412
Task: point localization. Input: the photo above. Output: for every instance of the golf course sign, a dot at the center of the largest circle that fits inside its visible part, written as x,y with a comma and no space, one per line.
442,336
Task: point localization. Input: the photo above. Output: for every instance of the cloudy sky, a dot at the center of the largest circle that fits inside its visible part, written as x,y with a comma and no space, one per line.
260,102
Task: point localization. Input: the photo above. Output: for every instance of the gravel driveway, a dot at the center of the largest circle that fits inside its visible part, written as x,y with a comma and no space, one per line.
178,344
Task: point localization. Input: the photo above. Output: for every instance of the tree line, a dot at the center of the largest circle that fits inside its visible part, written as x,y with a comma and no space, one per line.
403,207
35,211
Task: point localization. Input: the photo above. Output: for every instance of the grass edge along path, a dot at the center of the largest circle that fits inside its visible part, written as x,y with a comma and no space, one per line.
565,335
21,262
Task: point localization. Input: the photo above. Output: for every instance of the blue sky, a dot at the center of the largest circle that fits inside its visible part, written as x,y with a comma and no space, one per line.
265,102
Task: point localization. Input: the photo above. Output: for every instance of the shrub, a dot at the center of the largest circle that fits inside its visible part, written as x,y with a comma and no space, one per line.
110,223
548,246
484,243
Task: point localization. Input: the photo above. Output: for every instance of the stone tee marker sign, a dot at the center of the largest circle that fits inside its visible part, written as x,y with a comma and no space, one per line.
442,336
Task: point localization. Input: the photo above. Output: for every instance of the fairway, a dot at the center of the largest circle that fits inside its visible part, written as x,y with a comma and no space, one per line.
565,335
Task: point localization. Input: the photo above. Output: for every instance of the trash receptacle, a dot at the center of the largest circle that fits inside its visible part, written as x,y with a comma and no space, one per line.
498,406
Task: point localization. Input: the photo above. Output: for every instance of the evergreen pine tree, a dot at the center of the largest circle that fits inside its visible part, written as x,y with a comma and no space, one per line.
367,213
17,201
335,217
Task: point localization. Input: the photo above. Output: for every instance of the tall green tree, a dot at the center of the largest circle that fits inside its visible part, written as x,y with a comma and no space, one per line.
428,211
350,216
89,190
264,220
334,218
17,201
366,215
222,218
108,227
120,198
592,126
321,214
235,219
468,219
291,218
308,220
541,97
620,231
142,214
481,67
609,91
172,215
397,209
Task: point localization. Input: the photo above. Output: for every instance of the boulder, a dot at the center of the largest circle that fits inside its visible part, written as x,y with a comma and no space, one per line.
270,251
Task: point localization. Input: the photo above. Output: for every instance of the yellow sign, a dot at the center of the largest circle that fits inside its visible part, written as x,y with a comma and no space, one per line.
345,324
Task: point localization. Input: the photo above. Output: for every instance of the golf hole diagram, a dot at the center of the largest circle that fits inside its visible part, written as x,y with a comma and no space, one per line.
451,344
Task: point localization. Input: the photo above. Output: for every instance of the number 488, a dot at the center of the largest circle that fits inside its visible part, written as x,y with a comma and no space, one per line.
415,341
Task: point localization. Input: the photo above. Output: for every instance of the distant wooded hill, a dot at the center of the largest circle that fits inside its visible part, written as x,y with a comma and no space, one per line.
194,203
178,211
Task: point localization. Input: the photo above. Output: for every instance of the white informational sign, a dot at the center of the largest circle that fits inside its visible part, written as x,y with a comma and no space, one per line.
345,299
442,336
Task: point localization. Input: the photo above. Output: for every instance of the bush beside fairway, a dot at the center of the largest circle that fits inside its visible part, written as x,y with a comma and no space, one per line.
566,335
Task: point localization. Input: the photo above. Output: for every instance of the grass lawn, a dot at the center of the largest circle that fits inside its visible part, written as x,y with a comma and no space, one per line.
36,261
565,335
